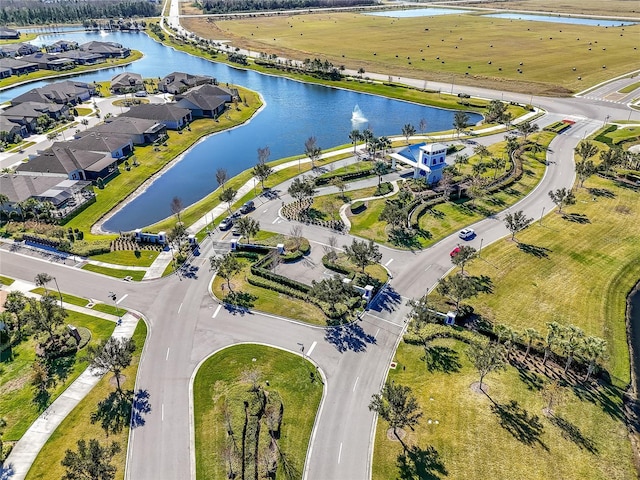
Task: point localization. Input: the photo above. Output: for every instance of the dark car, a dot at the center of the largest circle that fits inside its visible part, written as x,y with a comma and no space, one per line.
247,207
226,224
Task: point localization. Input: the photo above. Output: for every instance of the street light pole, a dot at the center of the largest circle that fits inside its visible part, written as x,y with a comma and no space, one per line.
115,304
480,251
60,294
541,215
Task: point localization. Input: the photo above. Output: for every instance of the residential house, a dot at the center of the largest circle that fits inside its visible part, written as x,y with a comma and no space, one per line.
8,33
17,67
127,82
106,49
140,130
17,49
19,188
180,82
9,129
27,113
117,146
205,101
49,61
62,161
67,92
169,114
83,58
5,72
61,46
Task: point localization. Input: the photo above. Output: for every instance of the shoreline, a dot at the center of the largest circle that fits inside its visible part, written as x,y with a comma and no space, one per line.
631,399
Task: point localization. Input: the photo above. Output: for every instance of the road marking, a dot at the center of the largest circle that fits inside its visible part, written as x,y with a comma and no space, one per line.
355,384
125,296
216,312
388,263
376,335
179,308
163,412
275,220
313,345
384,320
430,265
340,452
265,210
167,357
327,245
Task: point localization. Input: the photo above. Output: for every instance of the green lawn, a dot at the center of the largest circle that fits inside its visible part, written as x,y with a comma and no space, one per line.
474,439
16,393
328,206
66,297
82,111
78,424
630,88
139,258
219,380
570,269
6,280
136,275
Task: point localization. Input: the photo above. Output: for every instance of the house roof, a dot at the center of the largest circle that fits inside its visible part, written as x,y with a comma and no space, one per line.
59,91
100,142
124,125
9,125
158,112
206,97
79,55
103,47
62,159
13,63
176,81
433,147
126,79
31,110
8,32
18,188
40,57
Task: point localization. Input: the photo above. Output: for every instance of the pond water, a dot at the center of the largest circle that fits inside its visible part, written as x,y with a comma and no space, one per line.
294,111
634,331
417,12
595,22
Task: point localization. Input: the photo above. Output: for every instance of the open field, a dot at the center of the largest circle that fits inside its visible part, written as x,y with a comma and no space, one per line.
143,258
477,438
468,49
136,275
78,423
16,393
219,380
571,269
610,8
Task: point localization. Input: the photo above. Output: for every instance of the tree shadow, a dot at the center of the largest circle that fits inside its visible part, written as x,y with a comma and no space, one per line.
315,214
576,218
416,463
573,433
41,399
404,237
601,192
536,251
139,408
442,359
436,213
524,427
607,397
61,367
113,413
387,300
7,472
349,337
530,379
482,283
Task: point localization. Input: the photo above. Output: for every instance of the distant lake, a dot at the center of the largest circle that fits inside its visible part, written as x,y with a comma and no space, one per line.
594,22
417,12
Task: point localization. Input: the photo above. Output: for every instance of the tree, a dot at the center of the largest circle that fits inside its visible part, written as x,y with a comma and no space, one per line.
113,356
226,266
526,128
562,197
482,151
594,349
486,358
460,121
446,183
463,256
408,130
394,213
301,188
457,287
516,222
177,207
421,313
586,150
331,290
248,227
495,111
262,171
497,163
42,279
14,304
571,338
584,170
553,394
3,424
512,145
422,125
380,168
551,340
312,150
397,406
363,253
45,315
92,462
531,335
228,196
355,136
221,177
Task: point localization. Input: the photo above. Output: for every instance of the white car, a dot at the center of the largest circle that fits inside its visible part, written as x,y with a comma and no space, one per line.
466,233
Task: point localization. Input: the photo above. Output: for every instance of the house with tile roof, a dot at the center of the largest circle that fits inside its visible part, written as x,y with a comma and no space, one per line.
27,113
172,116
63,161
205,101
140,130
127,82
180,82
18,67
116,145
106,49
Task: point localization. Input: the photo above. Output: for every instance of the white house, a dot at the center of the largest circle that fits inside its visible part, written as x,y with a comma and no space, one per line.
427,160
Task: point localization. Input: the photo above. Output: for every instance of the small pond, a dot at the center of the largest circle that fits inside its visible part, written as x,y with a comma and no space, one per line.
594,22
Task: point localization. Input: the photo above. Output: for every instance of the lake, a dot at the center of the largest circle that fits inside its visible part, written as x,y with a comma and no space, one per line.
594,22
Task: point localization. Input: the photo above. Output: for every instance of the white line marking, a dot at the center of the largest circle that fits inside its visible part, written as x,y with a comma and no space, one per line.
167,357
388,263
179,308
125,296
216,312
326,245
340,452
275,220
385,320
430,265
163,412
355,384
376,335
313,345
265,210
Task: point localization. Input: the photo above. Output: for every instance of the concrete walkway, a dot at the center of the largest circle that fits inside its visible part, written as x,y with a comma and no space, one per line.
25,451
159,265
343,208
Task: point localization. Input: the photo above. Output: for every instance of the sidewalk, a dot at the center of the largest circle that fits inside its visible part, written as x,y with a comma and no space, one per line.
343,208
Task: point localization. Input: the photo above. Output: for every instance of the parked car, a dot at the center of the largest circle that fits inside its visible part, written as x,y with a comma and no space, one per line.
247,207
226,224
141,93
466,233
454,252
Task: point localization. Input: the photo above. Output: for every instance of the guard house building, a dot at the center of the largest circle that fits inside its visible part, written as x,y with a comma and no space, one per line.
427,160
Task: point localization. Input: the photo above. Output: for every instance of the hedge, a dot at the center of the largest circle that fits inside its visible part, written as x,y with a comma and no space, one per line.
336,268
276,287
434,330
281,279
328,177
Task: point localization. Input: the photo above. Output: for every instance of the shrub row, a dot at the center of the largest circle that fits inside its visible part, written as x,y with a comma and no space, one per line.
434,330
557,127
259,281
335,267
328,177
281,279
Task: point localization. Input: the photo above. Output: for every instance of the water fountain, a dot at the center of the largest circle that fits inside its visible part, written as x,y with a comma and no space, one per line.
357,116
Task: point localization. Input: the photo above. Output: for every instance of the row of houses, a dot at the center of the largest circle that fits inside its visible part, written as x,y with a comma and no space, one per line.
23,58
94,155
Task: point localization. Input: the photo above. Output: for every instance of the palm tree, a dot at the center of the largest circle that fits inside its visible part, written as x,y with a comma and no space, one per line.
552,338
380,168
367,136
460,121
355,136
408,130
594,349
586,150
571,343
42,279
531,335
498,163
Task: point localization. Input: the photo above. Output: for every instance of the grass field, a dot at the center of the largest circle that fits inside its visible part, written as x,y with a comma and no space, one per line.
622,8
136,275
630,88
468,48
475,438
6,280
570,269
78,424
16,393
128,257
219,380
